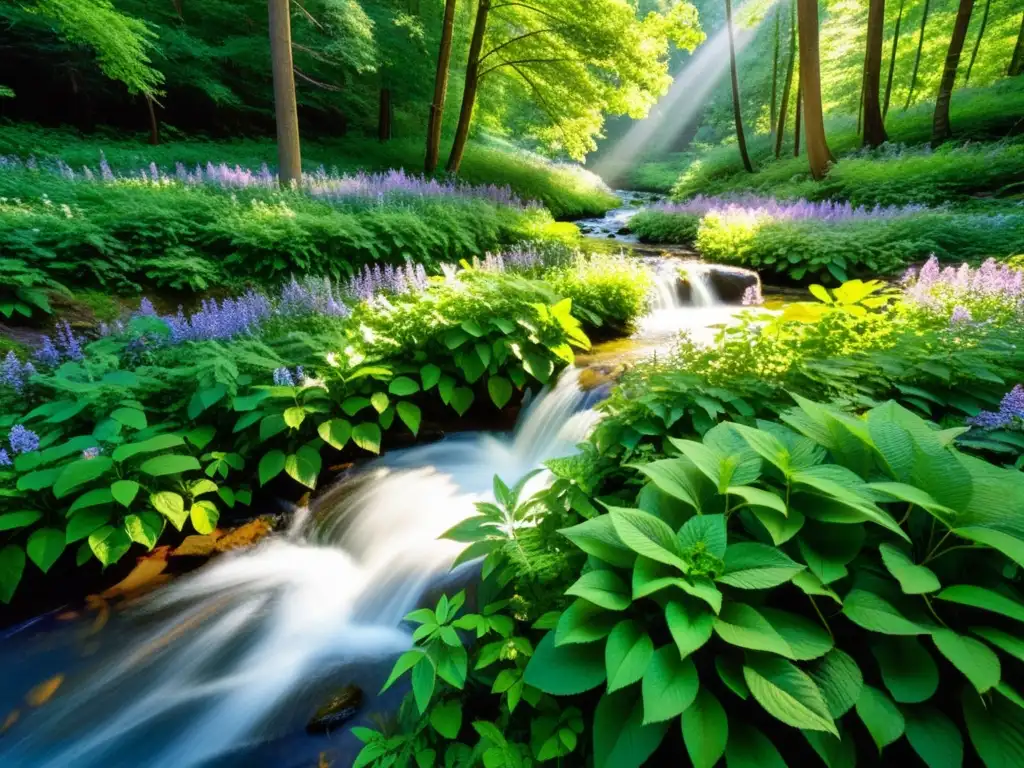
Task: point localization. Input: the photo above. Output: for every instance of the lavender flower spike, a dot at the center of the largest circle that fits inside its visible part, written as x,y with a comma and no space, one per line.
5,460
23,440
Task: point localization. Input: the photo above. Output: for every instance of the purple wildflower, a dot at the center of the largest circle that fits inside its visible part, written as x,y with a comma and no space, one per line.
23,440
47,354
283,378
990,420
752,296
91,453
69,344
311,296
795,210
1011,408
1013,402
961,316
5,460
146,308
16,374
224,320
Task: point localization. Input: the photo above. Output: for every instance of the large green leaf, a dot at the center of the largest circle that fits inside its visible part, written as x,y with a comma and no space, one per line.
705,730
1002,640
303,466
765,629
12,566
757,497
979,664
602,588
847,490
689,624
367,436
828,548
621,740
750,748
462,398
626,654
787,693
597,537
94,498
500,390
271,465
996,729
169,465
153,444
109,544
171,505
985,599
204,516
908,669
706,530
124,491
144,528
403,386
80,472
649,536
84,523
44,546
934,737
566,670
875,614
430,374
676,478
335,433
757,566
11,521
669,685
840,681
913,579
411,416
880,716
835,752
584,622
767,445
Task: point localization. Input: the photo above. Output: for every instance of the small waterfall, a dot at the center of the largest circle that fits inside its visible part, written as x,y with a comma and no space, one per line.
231,655
702,290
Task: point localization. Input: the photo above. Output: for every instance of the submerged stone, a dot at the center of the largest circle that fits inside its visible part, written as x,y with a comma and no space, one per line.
337,711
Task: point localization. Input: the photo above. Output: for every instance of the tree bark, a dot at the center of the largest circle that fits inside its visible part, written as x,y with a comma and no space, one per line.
289,159
892,61
436,118
940,124
775,74
860,101
796,122
736,111
788,85
384,115
917,59
818,154
154,126
977,43
472,83
1017,60
874,125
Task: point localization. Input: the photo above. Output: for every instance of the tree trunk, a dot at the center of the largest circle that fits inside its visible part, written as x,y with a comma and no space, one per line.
977,43
472,83
892,61
384,115
940,124
917,59
788,85
818,154
154,127
289,159
436,119
775,74
860,101
737,113
796,123
874,125
1017,60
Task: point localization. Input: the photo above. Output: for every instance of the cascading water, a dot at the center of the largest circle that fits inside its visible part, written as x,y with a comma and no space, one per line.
236,653
670,314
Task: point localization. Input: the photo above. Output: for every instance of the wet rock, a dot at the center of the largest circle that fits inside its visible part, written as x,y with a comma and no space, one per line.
338,710
596,376
731,282
623,231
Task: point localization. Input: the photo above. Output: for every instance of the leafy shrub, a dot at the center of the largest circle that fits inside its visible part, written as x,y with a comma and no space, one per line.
23,289
654,226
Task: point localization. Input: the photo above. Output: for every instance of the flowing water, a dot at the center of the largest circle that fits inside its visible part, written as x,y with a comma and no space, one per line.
224,667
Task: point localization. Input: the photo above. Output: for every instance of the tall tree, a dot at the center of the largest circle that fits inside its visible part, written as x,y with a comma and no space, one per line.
940,123
796,123
917,58
874,125
1017,60
892,61
436,118
788,84
736,112
977,43
469,90
289,159
818,154
775,73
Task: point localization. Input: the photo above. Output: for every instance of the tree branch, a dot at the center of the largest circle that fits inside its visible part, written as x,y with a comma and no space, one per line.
523,61
513,40
543,102
309,15
317,83
529,8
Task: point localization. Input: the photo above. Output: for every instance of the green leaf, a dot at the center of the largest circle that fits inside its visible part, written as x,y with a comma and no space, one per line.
908,669
410,415
913,579
835,752
153,444
367,436
673,477
597,537
602,588
380,401
124,491
171,506
690,626
403,386
880,716
11,521
565,670
44,546
80,472
811,585
446,718
353,405
1002,640
130,417
979,664
756,497
424,679
996,729
621,740
985,599
757,566
500,390
304,465
730,671
583,622
169,465
626,654
271,465
144,528
335,433
787,693
648,535
708,530
934,737
669,685
875,614
83,524
430,374
461,399
786,634
749,748
109,544
93,498
294,416
705,730
840,681
12,566
204,515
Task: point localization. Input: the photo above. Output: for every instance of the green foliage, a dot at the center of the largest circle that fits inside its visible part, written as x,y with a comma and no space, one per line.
653,226
23,289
